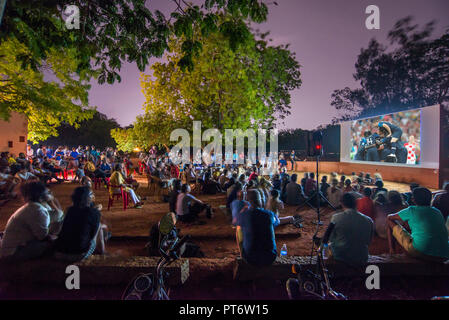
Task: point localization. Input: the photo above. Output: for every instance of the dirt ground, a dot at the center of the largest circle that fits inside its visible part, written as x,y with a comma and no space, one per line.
211,277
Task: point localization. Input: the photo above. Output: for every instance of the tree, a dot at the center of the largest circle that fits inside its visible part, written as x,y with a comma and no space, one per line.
227,89
120,30
45,103
413,72
95,131
110,32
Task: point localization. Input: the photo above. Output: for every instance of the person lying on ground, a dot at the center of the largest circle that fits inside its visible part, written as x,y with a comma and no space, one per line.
428,239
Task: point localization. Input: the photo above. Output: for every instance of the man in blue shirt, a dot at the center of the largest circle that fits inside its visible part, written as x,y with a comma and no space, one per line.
255,232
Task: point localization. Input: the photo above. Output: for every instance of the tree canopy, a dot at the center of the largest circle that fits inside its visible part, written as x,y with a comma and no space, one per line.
248,87
45,102
34,41
412,72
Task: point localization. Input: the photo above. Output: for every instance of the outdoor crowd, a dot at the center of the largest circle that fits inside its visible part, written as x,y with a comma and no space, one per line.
415,220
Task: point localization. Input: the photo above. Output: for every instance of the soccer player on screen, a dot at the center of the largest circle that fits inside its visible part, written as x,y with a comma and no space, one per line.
391,139
412,149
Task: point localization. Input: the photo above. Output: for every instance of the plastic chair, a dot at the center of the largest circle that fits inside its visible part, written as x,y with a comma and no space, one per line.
122,194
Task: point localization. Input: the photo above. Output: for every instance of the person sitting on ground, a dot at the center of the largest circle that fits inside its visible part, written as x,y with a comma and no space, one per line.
173,195
265,186
210,186
253,174
188,207
386,204
352,233
235,189
428,239
324,186
365,205
341,184
229,184
223,178
81,231
441,201
274,204
408,195
117,180
368,180
32,228
24,175
358,186
335,194
379,187
304,180
239,204
294,192
7,184
49,167
276,182
255,233
285,180
79,173
348,188
310,187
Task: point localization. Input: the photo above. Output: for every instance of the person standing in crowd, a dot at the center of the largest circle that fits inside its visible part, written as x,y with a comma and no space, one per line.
293,159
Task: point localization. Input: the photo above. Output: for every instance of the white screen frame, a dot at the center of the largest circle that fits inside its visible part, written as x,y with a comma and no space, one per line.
429,140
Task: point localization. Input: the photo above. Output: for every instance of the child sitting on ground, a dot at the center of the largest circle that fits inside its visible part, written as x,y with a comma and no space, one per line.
79,175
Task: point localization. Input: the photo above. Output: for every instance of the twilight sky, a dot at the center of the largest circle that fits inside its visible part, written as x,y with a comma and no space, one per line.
326,35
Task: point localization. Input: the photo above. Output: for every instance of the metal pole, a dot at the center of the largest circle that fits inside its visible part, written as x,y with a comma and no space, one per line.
317,195
2,9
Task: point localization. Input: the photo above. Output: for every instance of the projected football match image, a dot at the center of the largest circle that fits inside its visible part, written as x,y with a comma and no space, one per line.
388,138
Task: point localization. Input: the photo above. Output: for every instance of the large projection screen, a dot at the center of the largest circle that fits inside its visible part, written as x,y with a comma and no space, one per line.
421,151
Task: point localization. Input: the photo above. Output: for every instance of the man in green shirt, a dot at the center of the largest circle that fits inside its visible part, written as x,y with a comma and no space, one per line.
429,237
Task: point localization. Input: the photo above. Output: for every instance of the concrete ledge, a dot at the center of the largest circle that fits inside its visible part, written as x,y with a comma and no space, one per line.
97,270
394,265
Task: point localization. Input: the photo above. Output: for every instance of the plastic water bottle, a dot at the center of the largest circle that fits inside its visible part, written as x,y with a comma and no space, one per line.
284,250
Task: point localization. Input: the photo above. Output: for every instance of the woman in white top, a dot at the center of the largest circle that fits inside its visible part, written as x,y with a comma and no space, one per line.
31,229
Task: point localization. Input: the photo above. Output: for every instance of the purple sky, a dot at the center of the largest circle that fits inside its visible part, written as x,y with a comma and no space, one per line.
327,37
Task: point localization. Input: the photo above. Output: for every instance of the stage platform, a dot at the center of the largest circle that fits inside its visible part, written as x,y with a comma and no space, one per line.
429,178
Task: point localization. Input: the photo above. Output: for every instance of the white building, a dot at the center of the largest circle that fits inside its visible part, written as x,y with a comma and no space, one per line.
13,134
